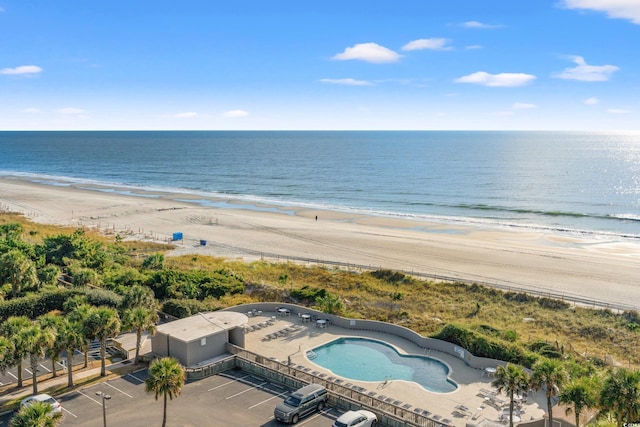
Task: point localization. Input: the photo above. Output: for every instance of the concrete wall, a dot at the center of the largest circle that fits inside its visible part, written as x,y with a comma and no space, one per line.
191,353
206,348
373,325
159,344
236,337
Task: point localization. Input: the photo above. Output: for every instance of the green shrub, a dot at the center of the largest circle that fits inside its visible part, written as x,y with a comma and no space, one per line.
182,308
34,305
391,276
308,294
482,346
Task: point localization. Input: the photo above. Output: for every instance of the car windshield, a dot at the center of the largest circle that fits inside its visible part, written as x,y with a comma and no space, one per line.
292,401
340,424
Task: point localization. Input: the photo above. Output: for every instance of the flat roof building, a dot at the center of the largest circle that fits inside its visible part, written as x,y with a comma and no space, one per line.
201,337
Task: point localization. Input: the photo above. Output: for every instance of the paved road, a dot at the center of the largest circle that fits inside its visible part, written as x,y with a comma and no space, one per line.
230,399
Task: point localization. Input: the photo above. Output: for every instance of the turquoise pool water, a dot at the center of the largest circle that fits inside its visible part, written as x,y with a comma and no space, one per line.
369,360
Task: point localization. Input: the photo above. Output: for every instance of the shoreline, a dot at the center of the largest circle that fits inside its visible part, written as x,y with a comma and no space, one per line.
601,269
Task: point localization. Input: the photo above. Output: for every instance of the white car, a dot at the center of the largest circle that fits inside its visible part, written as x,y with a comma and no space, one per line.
45,398
359,418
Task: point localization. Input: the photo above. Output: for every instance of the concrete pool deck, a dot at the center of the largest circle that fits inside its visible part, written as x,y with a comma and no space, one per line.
471,393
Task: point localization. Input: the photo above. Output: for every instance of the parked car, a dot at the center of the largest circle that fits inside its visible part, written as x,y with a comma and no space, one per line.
45,398
304,401
359,418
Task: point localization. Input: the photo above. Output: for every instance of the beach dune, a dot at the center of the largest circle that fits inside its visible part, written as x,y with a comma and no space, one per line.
604,271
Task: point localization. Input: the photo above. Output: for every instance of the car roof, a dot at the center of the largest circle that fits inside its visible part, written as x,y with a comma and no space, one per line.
311,388
349,416
38,397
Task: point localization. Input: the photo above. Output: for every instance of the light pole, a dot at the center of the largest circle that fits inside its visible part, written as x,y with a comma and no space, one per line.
104,405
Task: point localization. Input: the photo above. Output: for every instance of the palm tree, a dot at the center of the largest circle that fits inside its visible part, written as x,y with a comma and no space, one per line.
330,303
621,395
139,296
6,354
52,322
512,380
38,414
580,394
19,271
78,310
166,377
140,319
101,324
15,327
550,375
71,338
36,340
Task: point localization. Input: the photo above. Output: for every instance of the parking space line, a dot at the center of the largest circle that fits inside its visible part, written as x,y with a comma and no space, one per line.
271,398
134,377
12,375
227,383
90,398
244,391
325,412
69,412
116,388
42,366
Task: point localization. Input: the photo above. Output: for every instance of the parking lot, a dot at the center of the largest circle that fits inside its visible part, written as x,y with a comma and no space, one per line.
233,398
45,366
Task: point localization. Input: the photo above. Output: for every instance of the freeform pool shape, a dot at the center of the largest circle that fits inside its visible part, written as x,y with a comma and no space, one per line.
364,359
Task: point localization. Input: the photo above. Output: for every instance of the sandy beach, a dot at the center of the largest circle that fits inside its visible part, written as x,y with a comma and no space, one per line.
606,271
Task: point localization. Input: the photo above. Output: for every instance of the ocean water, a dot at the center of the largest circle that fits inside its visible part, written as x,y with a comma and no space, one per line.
573,182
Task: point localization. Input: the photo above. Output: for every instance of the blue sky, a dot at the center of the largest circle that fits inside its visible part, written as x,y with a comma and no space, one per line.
304,64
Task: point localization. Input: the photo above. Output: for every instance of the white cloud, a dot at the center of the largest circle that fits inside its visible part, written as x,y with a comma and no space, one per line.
23,69
30,110
236,113
474,46
618,111
369,52
186,115
70,111
497,80
591,101
347,82
431,44
480,25
587,73
523,106
623,9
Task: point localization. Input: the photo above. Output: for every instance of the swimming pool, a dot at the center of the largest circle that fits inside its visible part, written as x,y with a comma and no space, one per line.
370,360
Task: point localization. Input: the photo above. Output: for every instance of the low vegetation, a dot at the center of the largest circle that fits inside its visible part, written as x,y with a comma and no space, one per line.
47,269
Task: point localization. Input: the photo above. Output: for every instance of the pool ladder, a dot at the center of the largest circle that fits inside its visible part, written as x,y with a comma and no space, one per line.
311,355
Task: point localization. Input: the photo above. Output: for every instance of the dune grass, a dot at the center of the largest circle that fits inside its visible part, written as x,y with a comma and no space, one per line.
422,305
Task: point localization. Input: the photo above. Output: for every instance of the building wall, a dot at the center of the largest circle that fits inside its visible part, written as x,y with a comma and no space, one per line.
159,344
206,348
236,337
